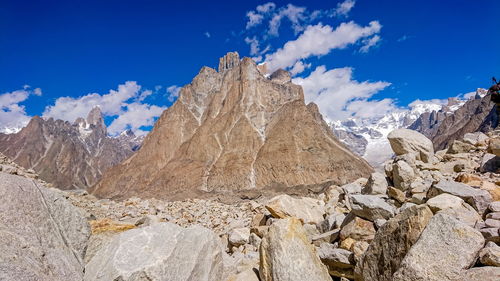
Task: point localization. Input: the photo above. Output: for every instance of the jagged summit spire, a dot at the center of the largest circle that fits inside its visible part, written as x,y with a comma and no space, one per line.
229,61
95,117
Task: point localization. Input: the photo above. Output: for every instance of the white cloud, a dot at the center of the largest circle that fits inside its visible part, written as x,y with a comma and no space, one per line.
404,38
207,34
122,103
299,67
296,15
254,45
344,8
13,115
369,43
134,117
173,92
319,40
255,17
339,96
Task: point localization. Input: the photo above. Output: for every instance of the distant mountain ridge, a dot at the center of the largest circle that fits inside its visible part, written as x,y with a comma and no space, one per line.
368,137
68,155
476,114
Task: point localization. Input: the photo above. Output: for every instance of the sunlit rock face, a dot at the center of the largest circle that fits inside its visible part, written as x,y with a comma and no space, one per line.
230,130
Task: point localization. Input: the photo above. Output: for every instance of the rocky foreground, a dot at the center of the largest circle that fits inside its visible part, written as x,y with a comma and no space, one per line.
430,216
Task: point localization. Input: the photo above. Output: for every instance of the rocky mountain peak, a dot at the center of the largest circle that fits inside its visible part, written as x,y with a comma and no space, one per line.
281,76
229,61
231,132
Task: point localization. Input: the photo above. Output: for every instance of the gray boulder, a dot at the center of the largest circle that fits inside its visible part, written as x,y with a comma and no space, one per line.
477,198
340,262
286,254
490,255
42,236
163,251
403,175
475,138
444,250
486,273
391,243
454,206
404,141
371,207
377,184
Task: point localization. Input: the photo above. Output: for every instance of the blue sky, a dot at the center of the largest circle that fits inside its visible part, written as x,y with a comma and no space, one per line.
421,50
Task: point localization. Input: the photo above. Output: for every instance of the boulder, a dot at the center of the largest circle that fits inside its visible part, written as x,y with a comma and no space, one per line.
490,163
494,146
246,275
340,262
286,254
403,175
454,206
404,141
306,209
475,138
396,194
159,251
239,236
351,188
391,243
444,250
42,235
459,147
494,206
490,255
371,207
357,228
486,273
377,184
477,198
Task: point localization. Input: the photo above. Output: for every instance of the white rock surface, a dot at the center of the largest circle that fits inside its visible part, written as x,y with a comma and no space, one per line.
287,255
408,141
42,236
444,250
163,251
308,210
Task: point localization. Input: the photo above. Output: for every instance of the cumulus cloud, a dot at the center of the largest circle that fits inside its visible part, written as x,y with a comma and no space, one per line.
207,34
135,116
255,17
344,8
173,92
13,114
297,16
369,43
125,103
319,40
339,96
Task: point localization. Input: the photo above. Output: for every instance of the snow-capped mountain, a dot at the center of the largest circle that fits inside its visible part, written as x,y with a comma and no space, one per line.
368,137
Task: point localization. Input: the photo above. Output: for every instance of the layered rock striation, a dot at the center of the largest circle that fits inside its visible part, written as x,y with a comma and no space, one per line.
232,130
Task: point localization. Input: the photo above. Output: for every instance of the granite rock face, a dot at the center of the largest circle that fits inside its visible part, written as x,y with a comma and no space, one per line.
42,236
445,249
286,254
391,244
70,156
405,141
234,130
163,251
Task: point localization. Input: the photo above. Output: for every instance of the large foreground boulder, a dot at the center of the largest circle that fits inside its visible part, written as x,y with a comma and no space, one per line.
287,255
391,243
408,141
444,250
42,236
162,251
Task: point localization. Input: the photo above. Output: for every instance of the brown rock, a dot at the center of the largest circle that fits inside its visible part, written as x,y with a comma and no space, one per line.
357,228
234,130
391,243
67,155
